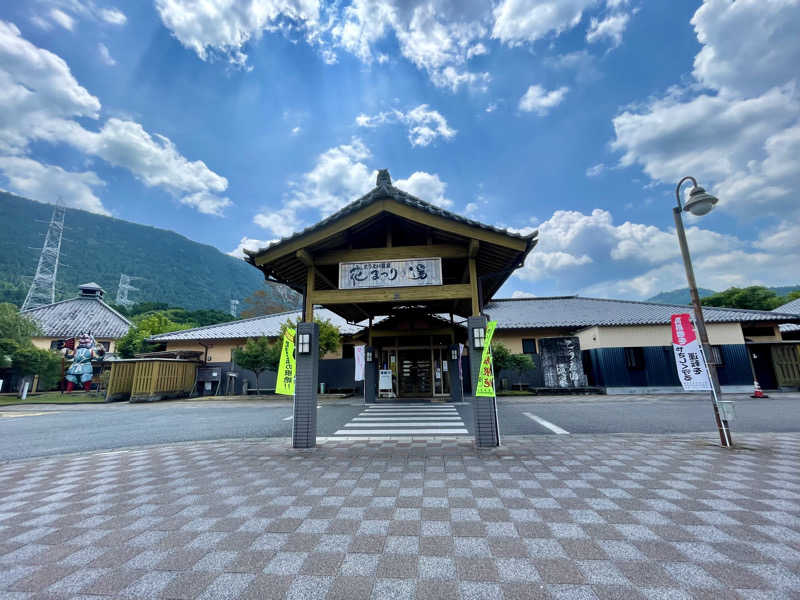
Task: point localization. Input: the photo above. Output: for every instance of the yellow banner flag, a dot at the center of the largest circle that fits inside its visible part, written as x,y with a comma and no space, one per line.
485,385
284,384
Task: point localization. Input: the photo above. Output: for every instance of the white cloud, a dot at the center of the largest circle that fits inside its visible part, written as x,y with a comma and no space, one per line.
595,170
741,139
581,62
424,124
225,27
61,18
426,186
113,16
610,27
41,100
66,13
105,55
339,176
540,101
518,21
584,252
248,243
49,183
522,294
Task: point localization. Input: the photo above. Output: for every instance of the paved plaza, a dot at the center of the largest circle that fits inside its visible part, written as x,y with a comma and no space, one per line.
579,516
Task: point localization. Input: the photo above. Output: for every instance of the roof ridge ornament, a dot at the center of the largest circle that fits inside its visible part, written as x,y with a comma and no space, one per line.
384,179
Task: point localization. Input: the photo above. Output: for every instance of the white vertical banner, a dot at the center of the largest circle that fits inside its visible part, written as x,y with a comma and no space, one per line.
689,357
358,353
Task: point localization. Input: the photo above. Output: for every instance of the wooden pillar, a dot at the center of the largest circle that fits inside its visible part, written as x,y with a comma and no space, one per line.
473,282
308,312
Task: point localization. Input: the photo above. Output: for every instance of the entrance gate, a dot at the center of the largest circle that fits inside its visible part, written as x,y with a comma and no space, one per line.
384,253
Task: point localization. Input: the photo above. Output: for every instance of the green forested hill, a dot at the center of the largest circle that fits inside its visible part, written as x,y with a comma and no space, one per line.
173,268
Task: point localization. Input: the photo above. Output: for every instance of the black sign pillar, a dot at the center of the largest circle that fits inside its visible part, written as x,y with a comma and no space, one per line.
370,374
484,409
304,425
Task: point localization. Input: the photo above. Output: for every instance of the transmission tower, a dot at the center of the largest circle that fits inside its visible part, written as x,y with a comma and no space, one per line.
234,308
123,288
43,287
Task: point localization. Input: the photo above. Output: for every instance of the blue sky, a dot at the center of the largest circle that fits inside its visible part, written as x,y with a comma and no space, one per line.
238,122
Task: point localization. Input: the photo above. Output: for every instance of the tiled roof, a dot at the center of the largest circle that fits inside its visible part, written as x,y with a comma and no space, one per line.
71,317
384,189
267,325
792,307
575,312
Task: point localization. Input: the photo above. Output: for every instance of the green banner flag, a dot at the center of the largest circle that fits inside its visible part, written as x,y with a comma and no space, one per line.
284,384
485,385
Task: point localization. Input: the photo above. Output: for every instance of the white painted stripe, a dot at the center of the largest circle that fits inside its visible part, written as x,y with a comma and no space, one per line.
400,431
435,408
407,424
407,419
410,412
551,426
289,418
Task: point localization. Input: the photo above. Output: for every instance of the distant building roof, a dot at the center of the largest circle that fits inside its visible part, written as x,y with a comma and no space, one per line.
84,313
792,307
267,325
575,312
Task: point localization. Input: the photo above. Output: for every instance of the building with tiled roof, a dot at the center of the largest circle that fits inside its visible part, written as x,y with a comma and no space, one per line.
790,331
85,313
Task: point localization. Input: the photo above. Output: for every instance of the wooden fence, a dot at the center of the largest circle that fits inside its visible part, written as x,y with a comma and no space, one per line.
150,379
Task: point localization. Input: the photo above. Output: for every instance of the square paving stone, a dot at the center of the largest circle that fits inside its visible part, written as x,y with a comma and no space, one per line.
436,545
436,589
307,587
558,570
437,567
369,544
322,563
187,586
524,591
394,589
227,586
397,566
480,591
267,587
517,569
359,564
617,592
351,588
476,569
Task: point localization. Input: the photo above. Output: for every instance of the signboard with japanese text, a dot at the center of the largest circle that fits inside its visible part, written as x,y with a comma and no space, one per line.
689,358
485,385
358,354
390,273
284,383
385,380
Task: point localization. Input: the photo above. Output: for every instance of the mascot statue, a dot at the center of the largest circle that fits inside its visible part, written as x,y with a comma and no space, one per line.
81,368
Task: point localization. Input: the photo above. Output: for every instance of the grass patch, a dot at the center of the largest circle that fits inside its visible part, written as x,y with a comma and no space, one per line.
53,398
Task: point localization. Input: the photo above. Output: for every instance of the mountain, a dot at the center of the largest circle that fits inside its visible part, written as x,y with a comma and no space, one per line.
680,296
172,268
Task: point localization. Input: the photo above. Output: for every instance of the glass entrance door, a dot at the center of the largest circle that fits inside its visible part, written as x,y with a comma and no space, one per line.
441,380
414,372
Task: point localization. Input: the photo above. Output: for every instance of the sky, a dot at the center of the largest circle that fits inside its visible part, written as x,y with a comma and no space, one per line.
238,122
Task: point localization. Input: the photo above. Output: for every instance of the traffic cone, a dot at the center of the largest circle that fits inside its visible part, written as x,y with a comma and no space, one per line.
757,393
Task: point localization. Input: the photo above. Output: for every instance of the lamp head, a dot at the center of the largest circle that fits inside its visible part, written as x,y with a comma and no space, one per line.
700,202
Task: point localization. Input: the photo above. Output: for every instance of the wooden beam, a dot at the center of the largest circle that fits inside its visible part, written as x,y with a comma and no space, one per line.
305,257
310,239
309,297
474,245
334,257
399,294
473,288
394,332
455,227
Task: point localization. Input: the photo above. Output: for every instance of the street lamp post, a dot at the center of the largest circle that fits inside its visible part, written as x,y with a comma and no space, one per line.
700,203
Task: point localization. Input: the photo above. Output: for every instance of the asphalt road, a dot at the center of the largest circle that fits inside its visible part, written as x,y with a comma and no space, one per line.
27,431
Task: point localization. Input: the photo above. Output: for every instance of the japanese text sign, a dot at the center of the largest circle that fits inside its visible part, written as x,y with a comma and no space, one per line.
689,358
485,385
284,383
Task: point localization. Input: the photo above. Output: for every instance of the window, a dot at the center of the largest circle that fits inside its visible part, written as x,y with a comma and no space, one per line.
715,356
478,336
528,345
634,358
304,343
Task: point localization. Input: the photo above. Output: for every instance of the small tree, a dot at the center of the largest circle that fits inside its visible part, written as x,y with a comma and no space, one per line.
257,356
35,361
521,363
501,359
16,331
134,342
